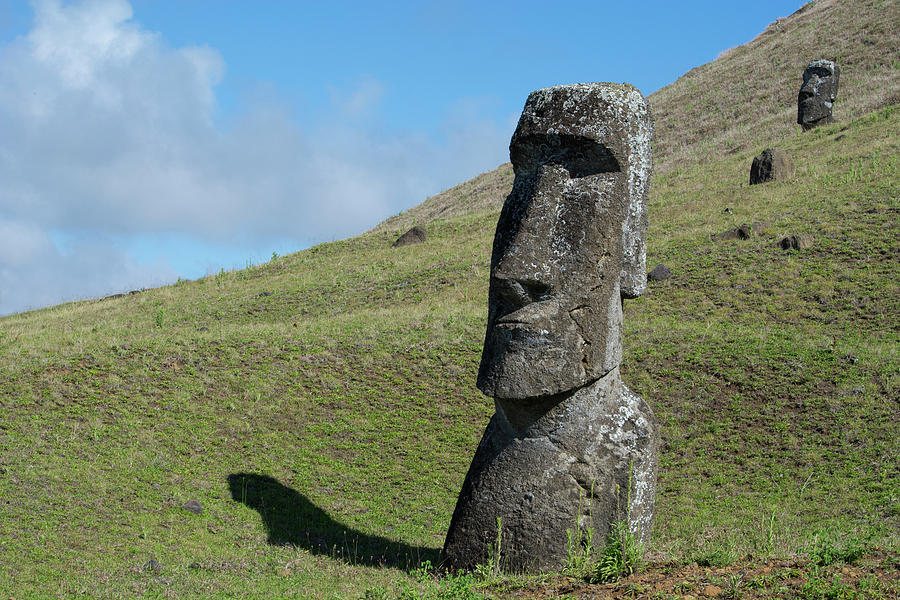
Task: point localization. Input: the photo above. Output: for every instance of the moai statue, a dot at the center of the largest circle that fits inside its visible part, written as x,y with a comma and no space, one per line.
569,448
817,94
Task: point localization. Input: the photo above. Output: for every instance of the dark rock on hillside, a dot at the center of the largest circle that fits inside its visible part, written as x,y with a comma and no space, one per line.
153,566
742,232
818,93
659,273
416,235
771,164
193,506
570,448
797,242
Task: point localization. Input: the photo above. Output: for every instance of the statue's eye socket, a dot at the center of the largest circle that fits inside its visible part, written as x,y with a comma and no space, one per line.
820,72
580,156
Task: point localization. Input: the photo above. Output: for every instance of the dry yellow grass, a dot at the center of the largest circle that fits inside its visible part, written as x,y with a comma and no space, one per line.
747,98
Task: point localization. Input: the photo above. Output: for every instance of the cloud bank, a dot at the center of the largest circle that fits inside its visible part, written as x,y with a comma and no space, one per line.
107,131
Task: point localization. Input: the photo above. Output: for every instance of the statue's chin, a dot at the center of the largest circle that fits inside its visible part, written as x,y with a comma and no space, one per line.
813,110
526,361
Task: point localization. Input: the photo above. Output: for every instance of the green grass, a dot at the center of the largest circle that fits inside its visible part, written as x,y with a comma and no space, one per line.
322,406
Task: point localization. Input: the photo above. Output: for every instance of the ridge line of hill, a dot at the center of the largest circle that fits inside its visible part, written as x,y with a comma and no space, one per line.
744,100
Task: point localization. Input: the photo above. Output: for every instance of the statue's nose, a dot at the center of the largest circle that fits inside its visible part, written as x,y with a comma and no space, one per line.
809,87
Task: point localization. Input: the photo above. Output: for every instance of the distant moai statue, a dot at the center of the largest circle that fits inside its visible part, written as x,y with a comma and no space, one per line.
818,93
570,448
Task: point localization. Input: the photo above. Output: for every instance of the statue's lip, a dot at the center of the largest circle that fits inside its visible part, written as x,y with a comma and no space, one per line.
525,315
512,319
506,321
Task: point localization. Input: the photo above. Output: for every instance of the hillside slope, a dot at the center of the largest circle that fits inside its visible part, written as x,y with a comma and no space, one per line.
745,100
321,407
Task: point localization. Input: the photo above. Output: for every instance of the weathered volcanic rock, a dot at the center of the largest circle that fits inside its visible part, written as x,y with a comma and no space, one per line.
585,461
570,240
742,232
797,242
771,164
815,101
569,446
659,273
416,235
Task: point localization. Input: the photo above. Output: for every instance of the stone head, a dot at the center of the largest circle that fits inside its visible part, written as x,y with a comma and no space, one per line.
818,93
570,240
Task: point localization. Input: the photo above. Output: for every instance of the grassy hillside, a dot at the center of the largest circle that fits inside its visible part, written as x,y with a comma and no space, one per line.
741,102
321,407
748,96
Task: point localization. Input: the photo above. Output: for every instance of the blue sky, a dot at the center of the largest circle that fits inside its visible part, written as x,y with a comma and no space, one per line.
149,140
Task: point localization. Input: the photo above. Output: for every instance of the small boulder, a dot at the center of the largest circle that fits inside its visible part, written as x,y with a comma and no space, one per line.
416,235
193,506
772,164
797,242
153,566
741,232
659,273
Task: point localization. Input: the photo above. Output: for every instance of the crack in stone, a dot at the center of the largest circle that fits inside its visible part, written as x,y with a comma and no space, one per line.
586,351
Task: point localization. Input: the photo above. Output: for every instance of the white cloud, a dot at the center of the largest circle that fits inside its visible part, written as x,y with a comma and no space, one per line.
34,272
108,131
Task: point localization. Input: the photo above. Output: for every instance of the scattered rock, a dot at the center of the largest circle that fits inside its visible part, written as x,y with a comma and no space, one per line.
263,294
153,566
568,442
772,164
659,273
818,93
797,242
840,137
742,232
416,235
193,506
711,591
728,210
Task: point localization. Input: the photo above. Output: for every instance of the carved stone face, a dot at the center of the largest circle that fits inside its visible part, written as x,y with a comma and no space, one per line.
569,242
818,93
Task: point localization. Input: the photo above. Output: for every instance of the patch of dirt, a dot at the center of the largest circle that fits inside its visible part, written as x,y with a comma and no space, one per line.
875,576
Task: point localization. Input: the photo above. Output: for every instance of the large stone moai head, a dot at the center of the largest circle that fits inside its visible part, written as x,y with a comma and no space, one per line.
570,242
569,448
818,93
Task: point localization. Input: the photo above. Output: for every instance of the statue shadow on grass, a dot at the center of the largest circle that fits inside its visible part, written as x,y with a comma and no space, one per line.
292,520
